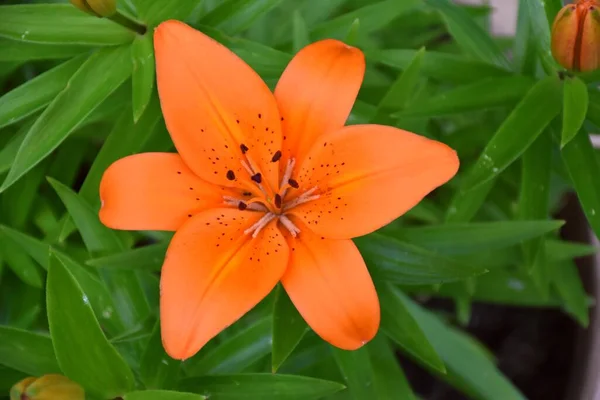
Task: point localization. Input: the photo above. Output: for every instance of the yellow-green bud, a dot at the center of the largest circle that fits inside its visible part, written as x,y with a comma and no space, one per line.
98,8
47,387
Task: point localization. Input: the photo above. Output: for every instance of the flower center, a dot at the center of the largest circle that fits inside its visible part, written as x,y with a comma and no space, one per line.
277,206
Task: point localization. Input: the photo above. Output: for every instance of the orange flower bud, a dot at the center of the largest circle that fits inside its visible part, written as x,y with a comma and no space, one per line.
47,387
98,8
576,36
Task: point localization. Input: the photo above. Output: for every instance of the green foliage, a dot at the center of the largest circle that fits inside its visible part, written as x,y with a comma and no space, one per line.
80,299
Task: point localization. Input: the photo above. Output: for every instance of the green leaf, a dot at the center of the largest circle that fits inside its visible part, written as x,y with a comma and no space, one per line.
97,78
471,37
16,50
236,353
149,258
575,106
467,362
465,205
565,277
439,66
357,372
20,263
465,238
372,17
143,72
300,37
162,395
157,369
390,381
83,352
59,23
8,377
242,14
482,95
8,152
401,327
36,93
28,352
392,260
520,129
156,11
288,328
260,386
559,250
583,168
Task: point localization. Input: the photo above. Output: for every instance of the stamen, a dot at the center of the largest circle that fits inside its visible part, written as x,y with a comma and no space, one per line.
289,168
260,224
247,167
253,204
285,221
293,183
303,198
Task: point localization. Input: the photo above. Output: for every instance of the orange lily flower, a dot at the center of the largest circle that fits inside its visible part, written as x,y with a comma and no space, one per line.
267,188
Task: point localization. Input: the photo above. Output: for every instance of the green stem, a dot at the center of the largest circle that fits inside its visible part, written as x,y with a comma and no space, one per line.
128,23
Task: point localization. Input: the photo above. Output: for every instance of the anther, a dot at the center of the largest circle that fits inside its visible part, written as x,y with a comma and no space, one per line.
277,200
242,206
243,148
257,177
276,156
293,183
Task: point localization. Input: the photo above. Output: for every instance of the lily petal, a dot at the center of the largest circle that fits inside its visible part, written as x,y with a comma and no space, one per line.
153,191
369,175
316,93
213,274
214,103
329,284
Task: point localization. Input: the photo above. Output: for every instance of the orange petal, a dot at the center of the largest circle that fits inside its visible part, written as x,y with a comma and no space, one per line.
565,36
369,175
590,39
316,93
213,274
214,103
153,191
329,284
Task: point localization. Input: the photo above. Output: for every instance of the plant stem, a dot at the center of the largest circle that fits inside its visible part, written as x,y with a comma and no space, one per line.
128,23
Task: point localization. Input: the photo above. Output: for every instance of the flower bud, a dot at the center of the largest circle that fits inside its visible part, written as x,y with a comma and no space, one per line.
97,8
47,387
576,36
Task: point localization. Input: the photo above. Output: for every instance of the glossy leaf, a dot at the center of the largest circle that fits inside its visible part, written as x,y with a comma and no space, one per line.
97,78
18,51
235,353
260,386
25,351
59,23
147,258
475,237
356,369
570,288
390,381
394,261
520,129
472,38
143,73
155,11
162,395
83,352
300,37
465,205
288,328
401,327
8,152
20,263
157,369
575,106
243,14
36,93
481,95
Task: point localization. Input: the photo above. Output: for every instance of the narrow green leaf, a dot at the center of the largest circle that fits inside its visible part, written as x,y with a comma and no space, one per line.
148,258
565,277
236,353
467,362
465,238
97,78
83,352
59,23
372,17
260,386
394,261
288,328
157,369
143,71
560,250
583,168
465,205
162,395
8,152
28,352
155,11
8,377
300,36
439,66
357,372
20,263
390,381
520,129
471,37
36,93
18,51
575,106
478,96
541,15
401,327
241,16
